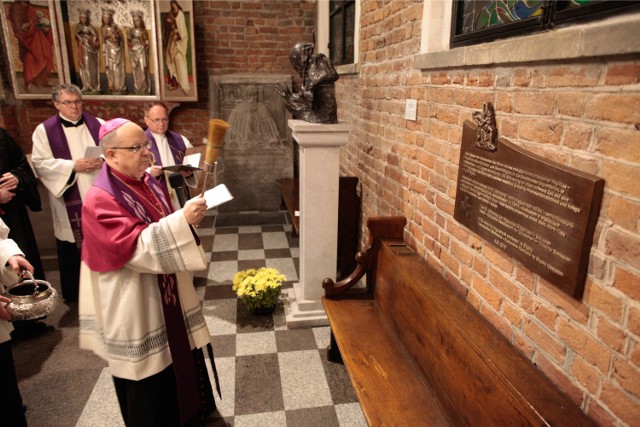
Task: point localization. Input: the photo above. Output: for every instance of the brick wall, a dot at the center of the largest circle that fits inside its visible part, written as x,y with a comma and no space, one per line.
234,36
582,114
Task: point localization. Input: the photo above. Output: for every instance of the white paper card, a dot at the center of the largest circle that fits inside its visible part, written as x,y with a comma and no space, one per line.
217,195
192,160
92,151
411,109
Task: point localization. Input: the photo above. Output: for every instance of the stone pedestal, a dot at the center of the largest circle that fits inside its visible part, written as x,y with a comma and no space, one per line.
319,163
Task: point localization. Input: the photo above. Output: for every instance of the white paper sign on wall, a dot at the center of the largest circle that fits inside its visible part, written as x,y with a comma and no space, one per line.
411,109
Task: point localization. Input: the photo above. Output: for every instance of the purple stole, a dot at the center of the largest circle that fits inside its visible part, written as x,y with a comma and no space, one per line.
176,145
60,149
189,383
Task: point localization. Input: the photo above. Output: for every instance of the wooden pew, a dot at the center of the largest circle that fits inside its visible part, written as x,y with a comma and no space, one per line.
419,354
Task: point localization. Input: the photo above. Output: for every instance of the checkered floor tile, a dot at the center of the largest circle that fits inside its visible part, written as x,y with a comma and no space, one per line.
270,375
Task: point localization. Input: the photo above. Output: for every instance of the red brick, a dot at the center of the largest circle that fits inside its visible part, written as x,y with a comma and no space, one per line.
498,322
621,177
476,99
624,246
570,104
584,164
450,262
611,335
627,282
461,253
440,95
633,320
504,101
623,212
625,407
544,339
600,415
588,376
560,378
524,345
545,315
448,115
508,128
627,377
513,314
480,266
487,293
622,74
580,341
480,78
521,77
634,353
534,103
619,108
541,131
498,259
604,300
504,284
577,137
578,76
619,144
466,276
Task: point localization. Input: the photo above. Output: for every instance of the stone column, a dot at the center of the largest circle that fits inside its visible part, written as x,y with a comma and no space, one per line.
319,167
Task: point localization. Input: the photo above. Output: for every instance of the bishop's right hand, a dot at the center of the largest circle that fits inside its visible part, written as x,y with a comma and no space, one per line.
194,210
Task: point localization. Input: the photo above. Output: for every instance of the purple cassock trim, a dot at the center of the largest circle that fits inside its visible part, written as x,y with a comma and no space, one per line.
176,144
60,149
127,198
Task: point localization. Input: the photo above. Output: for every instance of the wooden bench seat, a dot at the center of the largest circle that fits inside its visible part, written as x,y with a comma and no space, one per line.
418,354
290,193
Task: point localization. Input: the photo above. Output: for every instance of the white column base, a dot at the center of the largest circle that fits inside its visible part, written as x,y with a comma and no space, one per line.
319,163
301,313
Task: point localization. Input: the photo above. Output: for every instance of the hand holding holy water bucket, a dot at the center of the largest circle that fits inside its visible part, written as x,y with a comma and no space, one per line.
31,299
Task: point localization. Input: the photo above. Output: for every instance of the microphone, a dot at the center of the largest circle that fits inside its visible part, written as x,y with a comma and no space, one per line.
176,181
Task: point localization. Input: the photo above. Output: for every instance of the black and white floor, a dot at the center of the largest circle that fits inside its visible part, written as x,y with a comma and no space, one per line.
270,375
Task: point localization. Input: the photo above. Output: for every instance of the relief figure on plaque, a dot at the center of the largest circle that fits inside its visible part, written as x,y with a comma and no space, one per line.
487,132
113,52
138,42
316,100
88,46
251,122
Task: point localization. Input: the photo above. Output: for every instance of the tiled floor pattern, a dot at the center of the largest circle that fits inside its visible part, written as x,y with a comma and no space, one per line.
270,375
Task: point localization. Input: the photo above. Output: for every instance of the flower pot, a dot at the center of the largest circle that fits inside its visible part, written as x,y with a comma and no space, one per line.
259,288
264,310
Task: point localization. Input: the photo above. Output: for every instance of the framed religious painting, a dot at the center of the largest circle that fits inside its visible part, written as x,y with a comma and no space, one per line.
32,47
177,50
110,48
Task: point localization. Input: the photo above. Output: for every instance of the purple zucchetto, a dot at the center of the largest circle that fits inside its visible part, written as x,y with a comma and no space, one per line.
110,126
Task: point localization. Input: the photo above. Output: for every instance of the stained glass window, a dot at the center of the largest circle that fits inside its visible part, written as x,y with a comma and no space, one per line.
478,21
341,31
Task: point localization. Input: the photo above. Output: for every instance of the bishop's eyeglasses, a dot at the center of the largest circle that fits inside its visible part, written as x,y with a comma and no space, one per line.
134,148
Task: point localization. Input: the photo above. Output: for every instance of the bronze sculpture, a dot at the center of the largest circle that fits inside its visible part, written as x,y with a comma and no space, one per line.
487,133
316,101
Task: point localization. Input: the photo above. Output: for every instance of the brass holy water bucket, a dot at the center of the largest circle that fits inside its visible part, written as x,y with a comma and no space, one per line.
31,299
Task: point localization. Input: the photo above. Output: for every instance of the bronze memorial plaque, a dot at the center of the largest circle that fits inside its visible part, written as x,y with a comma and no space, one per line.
539,212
